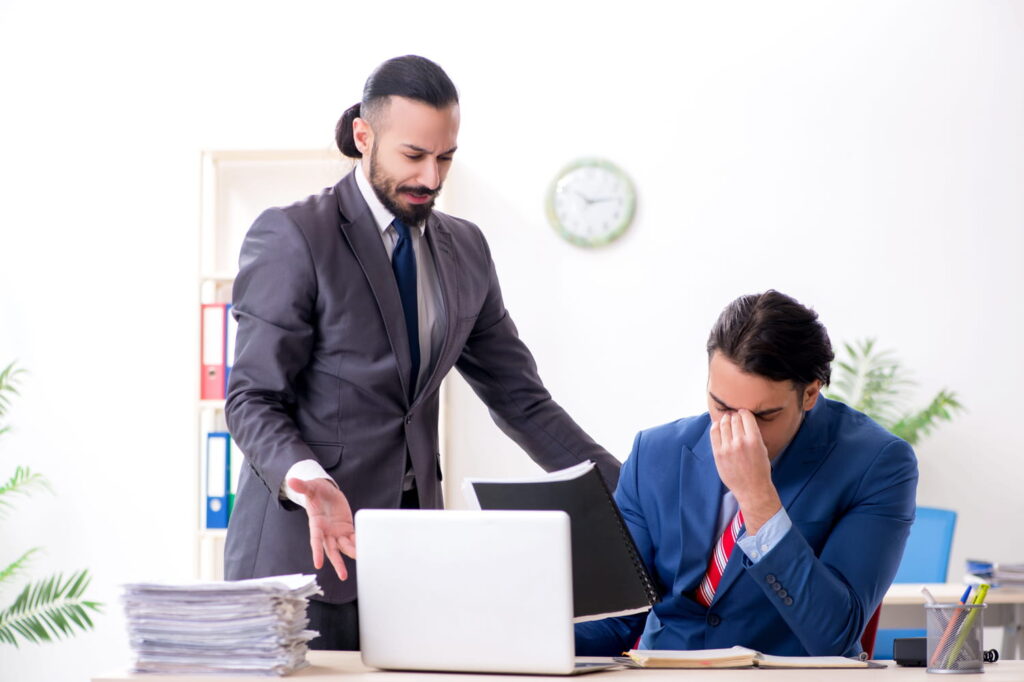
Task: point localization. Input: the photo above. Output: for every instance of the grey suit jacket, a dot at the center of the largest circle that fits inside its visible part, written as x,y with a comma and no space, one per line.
321,365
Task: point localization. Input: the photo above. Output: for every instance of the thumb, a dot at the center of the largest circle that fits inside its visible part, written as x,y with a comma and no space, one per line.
298,485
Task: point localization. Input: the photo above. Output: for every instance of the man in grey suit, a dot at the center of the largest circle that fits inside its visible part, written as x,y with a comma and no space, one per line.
352,305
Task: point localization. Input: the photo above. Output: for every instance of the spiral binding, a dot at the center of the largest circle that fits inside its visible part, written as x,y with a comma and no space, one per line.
634,554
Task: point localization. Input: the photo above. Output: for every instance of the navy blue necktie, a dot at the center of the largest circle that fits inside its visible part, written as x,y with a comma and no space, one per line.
403,262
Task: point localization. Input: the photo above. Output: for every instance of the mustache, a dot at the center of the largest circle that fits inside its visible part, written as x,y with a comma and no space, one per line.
419,190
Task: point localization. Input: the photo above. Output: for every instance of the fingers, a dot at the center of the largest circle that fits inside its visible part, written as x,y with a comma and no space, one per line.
316,543
726,428
716,437
749,422
334,556
347,545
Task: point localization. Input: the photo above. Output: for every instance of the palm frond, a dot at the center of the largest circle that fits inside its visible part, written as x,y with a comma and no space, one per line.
17,567
870,381
22,482
912,427
9,378
49,609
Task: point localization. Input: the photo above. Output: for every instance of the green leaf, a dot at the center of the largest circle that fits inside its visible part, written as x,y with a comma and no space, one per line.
9,378
50,609
875,383
912,427
23,482
17,567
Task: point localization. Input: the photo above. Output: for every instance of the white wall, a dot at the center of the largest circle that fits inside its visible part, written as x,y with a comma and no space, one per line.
866,158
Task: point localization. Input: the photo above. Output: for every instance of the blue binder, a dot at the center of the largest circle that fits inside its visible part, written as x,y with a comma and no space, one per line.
218,473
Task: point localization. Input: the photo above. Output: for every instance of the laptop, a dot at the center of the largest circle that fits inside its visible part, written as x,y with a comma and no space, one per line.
467,591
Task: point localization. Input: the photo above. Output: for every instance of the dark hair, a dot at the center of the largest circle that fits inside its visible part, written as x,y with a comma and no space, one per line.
773,336
416,78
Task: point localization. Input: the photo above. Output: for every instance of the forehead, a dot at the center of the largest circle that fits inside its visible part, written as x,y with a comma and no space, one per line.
406,121
739,389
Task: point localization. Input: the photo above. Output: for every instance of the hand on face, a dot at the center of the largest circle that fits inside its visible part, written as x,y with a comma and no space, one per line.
743,465
331,530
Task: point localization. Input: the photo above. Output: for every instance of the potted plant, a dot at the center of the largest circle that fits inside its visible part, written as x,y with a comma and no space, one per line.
53,607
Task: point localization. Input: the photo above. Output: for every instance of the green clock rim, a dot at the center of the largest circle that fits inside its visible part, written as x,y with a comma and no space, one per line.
624,223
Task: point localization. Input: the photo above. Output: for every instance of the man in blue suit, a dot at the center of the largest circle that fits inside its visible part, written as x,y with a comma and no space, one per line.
775,521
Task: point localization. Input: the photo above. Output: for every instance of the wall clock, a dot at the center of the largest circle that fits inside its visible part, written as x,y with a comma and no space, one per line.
591,202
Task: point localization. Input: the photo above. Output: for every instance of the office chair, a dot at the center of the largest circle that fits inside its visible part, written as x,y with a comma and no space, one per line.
925,560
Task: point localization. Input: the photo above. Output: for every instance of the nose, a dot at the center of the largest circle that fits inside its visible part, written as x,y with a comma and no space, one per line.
430,174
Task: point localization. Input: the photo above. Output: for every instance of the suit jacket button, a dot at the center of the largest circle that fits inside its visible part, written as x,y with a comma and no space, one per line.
408,419
769,578
714,620
788,601
783,594
776,586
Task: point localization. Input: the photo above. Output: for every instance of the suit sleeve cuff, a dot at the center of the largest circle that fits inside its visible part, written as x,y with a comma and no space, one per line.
304,470
756,546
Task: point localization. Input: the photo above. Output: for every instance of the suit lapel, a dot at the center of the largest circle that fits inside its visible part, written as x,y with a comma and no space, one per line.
363,236
698,506
795,468
439,240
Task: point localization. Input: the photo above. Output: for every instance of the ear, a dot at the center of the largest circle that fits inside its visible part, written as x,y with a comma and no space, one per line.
810,395
362,133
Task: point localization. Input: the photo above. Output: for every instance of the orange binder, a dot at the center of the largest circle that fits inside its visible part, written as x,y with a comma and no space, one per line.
214,331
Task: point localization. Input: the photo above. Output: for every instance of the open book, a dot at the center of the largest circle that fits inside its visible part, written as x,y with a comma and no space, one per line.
608,576
736,657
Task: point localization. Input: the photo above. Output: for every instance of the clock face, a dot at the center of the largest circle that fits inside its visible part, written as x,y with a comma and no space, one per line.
591,202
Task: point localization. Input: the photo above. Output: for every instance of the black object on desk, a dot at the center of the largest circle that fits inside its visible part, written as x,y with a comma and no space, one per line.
911,652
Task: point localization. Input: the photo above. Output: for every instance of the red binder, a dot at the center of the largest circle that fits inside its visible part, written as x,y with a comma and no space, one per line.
214,331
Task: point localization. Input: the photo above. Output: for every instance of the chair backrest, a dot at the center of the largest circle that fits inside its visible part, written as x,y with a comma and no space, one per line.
925,560
926,557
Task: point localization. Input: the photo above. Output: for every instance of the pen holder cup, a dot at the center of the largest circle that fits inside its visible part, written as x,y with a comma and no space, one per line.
954,637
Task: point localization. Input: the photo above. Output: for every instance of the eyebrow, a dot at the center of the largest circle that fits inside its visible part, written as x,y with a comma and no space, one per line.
759,413
421,150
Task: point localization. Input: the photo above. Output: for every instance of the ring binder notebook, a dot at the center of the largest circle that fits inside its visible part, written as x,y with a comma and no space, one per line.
609,577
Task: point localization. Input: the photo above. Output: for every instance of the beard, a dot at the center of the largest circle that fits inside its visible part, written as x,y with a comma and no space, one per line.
387,191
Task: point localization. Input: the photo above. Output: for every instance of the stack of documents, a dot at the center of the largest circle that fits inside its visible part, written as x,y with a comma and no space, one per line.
246,626
995,573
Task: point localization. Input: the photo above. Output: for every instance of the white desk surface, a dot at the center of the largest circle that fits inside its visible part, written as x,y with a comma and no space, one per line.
345,666
902,594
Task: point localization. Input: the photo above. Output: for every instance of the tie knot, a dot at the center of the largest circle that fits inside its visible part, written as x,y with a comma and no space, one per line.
401,228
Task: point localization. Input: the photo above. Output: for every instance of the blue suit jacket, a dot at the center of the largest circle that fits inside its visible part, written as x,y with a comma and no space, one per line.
849,488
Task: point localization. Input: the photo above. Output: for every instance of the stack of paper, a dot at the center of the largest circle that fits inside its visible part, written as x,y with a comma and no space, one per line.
246,626
995,573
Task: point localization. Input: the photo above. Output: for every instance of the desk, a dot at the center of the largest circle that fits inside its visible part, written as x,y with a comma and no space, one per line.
902,608
345,666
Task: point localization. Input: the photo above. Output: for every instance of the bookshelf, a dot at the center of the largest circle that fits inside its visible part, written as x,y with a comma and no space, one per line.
236,186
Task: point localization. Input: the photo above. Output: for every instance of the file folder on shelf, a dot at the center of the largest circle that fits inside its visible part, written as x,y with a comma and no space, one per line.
218,471
214,329
231,331
236,459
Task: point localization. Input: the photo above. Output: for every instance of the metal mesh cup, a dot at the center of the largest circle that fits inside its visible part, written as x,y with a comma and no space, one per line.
954,637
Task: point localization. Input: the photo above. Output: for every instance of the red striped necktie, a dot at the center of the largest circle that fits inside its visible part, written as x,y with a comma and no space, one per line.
719,558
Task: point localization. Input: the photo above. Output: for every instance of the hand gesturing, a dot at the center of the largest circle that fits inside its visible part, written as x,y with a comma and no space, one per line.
331,530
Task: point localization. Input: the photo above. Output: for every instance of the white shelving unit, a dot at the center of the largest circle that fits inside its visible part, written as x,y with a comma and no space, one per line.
237,185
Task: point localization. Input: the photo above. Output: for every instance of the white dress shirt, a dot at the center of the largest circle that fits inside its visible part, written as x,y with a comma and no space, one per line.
431,313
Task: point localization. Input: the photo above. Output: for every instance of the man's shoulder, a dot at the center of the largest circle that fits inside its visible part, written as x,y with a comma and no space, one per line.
857,434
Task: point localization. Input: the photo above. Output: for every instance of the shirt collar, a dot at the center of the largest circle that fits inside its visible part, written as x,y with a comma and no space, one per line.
381,215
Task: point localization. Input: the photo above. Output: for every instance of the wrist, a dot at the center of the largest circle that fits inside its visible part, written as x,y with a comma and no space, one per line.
758,509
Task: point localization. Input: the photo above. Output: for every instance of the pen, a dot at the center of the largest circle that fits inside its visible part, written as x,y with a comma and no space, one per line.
950,626
965,629
927,595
